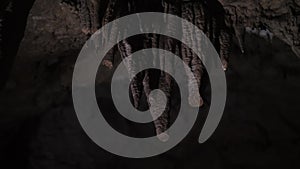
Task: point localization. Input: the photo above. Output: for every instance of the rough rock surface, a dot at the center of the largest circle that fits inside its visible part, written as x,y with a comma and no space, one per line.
282,17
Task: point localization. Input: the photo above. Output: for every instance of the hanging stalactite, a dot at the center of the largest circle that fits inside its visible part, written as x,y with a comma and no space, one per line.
206,15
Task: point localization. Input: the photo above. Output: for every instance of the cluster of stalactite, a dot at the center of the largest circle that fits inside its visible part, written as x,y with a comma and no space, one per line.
207,15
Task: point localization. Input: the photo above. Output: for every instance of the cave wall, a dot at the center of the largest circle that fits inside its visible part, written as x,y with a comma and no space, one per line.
281,17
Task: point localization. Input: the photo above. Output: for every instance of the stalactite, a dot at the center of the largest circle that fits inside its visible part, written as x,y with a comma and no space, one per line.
165,80
126,48
136,82
189,57
200,13
234,22
222,37
225,40
110,15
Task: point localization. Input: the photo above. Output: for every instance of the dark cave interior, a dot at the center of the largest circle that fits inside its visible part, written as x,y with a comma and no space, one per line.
40,42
